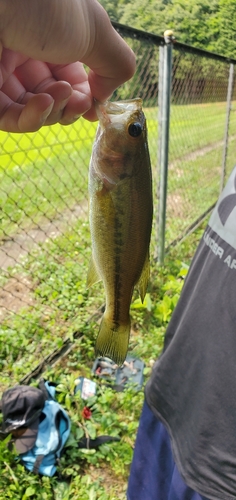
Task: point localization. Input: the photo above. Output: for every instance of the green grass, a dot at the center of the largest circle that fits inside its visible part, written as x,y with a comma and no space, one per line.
195,126
23,149
192,127
50,178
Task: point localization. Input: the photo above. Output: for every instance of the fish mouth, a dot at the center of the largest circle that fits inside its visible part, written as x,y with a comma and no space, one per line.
108,111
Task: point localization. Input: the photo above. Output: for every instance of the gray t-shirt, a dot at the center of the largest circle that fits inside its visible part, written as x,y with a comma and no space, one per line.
193,385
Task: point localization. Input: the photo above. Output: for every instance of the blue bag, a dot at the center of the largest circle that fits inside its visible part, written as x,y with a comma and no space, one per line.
53,432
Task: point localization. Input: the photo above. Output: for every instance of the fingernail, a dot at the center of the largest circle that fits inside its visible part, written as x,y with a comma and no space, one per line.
85,101
64,103
69,121
47,112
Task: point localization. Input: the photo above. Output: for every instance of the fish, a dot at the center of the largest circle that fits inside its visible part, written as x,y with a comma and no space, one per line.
120,217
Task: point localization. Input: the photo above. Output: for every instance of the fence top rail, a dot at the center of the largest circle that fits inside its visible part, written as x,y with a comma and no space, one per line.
159,40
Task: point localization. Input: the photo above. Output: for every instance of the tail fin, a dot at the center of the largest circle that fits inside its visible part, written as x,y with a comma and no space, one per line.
113,340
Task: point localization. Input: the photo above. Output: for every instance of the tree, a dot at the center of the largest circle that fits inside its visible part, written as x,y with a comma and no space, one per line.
114,8
224,26
143,14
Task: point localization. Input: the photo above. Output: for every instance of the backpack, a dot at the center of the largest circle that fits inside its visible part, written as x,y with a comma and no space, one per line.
53,432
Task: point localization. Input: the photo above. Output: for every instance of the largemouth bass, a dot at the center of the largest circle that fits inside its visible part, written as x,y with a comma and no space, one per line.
120,192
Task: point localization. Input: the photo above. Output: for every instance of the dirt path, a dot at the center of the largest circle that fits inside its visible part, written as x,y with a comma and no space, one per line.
193,155
17,246
16,293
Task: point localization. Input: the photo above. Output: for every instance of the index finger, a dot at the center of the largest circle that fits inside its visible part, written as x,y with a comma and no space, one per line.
111,61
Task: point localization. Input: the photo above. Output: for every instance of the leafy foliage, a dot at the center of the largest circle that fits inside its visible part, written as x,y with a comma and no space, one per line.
207,24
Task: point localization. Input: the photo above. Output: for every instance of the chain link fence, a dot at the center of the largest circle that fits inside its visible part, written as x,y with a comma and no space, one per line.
44,233
202,137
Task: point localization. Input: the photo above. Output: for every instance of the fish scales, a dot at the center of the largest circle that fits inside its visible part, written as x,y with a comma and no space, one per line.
120,188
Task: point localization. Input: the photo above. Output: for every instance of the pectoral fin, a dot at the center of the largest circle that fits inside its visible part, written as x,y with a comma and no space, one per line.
93,275
144,278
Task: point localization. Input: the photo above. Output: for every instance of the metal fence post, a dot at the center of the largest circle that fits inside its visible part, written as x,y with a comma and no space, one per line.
165,68
227,122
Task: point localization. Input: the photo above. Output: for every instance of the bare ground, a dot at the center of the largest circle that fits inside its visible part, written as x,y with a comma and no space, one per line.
193,155
16,293
12,250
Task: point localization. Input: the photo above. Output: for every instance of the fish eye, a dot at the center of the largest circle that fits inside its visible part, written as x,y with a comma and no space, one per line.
135,129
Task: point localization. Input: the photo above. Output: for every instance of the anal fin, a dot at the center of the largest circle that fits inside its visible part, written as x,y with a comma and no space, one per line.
93,275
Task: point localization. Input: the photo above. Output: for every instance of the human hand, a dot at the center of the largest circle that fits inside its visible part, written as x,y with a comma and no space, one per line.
43,47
